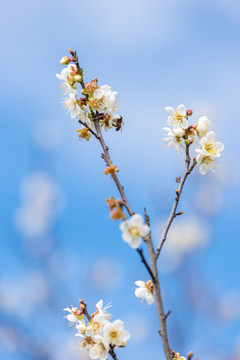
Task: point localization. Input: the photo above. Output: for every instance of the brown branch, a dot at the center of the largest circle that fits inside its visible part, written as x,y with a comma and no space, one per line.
112,353
173,213
109,163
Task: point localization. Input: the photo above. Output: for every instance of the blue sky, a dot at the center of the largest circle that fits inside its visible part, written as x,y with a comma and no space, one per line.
155,54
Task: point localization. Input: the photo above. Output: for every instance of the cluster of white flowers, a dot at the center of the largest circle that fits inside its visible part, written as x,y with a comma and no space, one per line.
182,134
98,335
95,99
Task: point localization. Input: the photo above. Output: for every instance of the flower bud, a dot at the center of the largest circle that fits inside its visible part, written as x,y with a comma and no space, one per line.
65,60
78,78
189,112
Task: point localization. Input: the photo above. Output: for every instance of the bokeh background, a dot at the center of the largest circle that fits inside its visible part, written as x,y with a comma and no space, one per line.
57,241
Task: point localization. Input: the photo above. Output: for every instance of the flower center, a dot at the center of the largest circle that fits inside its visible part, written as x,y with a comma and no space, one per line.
211,148
113,333
134,231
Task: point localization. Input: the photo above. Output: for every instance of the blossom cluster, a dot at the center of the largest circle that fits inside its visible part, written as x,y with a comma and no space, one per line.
98,334
94,101
182,135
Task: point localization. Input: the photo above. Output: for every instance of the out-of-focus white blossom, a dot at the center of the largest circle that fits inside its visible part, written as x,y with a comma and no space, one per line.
175,138
133,229
115,334
177,118
202,126
145,291
42,201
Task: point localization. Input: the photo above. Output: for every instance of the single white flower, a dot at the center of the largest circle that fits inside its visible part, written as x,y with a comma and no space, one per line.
175,138
209,147
65,76
106,99
72,105
202,126
177,118
99,350
75,315
115,334
145,291
206,163
133,229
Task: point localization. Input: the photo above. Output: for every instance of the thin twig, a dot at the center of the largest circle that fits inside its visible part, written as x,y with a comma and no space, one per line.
173,213
109,163
112,353
140,251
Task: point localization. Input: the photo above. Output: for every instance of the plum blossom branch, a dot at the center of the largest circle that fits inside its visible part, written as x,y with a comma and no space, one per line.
96,110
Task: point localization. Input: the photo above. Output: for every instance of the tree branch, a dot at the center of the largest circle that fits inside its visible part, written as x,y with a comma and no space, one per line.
173,213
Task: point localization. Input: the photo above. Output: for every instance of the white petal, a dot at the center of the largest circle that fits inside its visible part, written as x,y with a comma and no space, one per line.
181,109
140,283
137,219
144,230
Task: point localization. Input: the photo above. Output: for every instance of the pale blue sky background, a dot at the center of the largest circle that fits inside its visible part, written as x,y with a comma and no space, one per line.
155,54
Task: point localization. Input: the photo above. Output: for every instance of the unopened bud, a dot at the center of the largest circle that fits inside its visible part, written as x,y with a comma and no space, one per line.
65,60
70,50
177,191
81,301
78,78
82,306
189,112
188,142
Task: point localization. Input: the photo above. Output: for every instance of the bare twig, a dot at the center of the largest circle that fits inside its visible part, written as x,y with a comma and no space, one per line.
112,353
173,213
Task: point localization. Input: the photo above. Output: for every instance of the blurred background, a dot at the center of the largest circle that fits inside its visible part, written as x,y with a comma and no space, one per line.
57,241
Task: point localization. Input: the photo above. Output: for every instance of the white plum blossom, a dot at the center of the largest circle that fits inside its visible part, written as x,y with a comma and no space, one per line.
115,334
175,138
177,118
133,229
202,126
206,163
74,317
100,349
106,99
72,105
65,76
209,147
145,291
